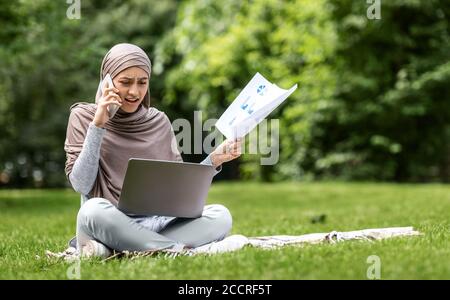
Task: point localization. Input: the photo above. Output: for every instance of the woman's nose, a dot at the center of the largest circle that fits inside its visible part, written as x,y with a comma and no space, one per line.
133,91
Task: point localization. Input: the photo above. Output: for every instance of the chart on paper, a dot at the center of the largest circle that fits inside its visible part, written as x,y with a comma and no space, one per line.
253,104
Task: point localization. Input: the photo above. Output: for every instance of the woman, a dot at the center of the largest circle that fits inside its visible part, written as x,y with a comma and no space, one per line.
98,148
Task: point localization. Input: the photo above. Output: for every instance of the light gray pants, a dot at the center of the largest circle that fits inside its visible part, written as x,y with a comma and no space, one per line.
99,220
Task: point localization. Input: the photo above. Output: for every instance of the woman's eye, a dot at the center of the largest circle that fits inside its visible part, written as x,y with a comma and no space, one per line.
143,83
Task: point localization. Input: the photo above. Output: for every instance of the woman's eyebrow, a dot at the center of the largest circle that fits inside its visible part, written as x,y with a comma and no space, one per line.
131,78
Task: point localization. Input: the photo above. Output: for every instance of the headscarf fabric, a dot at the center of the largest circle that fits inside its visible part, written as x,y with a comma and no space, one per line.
121,57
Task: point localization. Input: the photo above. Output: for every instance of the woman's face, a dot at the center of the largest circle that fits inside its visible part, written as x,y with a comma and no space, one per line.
132,84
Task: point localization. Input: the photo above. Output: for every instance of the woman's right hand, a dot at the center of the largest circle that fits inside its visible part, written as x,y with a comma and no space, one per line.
109,96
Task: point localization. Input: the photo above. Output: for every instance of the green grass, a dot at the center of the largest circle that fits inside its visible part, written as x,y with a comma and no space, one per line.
32,221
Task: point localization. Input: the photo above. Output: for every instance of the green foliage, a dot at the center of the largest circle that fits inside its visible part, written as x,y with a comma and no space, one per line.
220,47
390,117
48,63
372,101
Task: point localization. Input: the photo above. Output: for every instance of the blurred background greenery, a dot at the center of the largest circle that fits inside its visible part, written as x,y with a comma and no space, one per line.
372,104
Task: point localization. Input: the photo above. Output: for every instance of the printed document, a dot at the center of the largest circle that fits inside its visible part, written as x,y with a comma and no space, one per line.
255,102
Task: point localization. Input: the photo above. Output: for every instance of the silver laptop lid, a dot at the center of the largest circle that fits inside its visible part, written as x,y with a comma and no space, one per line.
165,188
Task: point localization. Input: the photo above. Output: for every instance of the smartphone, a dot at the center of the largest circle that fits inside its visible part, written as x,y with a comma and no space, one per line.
106,83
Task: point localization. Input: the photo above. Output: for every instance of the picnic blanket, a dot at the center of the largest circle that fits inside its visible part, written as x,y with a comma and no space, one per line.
237,242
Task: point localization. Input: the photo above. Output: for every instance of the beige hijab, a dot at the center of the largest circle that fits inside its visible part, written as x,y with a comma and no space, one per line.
146,133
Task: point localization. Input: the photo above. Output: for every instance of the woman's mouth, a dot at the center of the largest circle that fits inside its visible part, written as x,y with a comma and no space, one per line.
132,100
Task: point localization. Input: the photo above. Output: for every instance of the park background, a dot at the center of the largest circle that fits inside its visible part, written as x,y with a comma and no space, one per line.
364,141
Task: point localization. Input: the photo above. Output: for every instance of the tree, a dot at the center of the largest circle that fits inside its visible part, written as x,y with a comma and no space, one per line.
215,50
48,63
390,117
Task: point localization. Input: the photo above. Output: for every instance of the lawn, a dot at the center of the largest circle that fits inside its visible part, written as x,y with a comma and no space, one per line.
35,220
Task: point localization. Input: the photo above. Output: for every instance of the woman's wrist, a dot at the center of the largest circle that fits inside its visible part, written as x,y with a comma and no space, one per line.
214,159
97,124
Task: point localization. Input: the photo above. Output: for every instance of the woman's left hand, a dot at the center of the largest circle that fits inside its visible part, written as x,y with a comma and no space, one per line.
226,151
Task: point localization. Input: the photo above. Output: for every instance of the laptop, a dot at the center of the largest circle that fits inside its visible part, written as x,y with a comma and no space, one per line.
165,188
